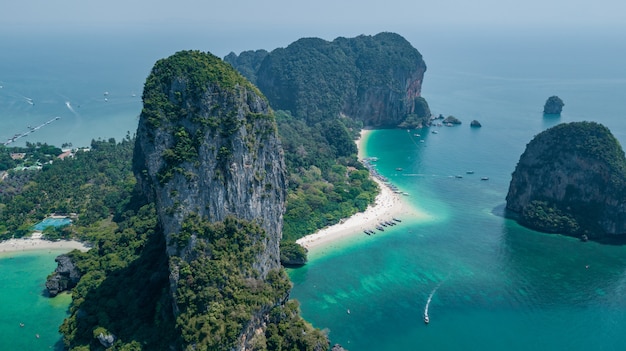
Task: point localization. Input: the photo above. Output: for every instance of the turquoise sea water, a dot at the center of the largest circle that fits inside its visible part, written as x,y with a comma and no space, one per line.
500,286
22,278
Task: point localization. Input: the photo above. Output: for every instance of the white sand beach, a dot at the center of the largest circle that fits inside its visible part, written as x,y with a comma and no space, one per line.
387,206
35,242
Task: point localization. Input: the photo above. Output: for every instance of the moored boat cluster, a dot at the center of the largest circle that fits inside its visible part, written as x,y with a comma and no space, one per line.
381,226
368,162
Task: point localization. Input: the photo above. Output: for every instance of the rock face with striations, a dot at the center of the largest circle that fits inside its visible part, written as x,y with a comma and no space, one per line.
571,179
374,79
206,152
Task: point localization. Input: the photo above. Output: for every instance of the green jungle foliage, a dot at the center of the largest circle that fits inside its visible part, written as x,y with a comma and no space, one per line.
125,286
287,331
125,290
93,184
589,139
191,74
36,155
247,63
326,182
317,80
541,216
290,251
219,291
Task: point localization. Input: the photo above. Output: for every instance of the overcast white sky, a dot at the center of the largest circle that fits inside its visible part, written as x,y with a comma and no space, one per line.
43,15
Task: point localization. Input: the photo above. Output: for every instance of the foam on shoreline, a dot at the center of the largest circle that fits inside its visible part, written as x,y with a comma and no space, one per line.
35,243
388,205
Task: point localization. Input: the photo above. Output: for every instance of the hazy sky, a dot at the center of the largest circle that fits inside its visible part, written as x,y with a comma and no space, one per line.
226,25
321,15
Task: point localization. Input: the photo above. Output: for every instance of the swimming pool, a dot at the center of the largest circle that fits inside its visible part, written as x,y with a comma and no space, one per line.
52,222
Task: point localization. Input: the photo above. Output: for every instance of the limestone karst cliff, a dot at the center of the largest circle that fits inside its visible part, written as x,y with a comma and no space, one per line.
207,145
208,155
65,276
373,79
553,106
571,179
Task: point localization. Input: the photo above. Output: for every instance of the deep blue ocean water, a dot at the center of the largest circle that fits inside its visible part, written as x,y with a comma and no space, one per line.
498,285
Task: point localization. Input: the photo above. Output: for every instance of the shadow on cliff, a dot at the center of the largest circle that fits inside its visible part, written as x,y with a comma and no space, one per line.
133,303
607,239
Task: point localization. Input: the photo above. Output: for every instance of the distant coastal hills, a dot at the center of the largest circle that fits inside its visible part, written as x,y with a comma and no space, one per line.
374,80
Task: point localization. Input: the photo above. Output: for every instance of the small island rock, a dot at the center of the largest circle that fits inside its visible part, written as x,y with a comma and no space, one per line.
451,120
65,276
554,106
571,179
475,124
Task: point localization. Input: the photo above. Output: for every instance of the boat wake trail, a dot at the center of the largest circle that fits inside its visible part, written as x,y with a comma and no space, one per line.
430,297
69,106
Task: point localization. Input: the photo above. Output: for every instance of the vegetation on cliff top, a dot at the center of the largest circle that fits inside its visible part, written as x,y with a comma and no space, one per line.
192,74
318,80
554,105
586,139
195,92
247,63
573,214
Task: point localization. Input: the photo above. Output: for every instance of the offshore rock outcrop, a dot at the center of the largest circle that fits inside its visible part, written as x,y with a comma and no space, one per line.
571,179
451,120
373,79
207,149
553,106
65,276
